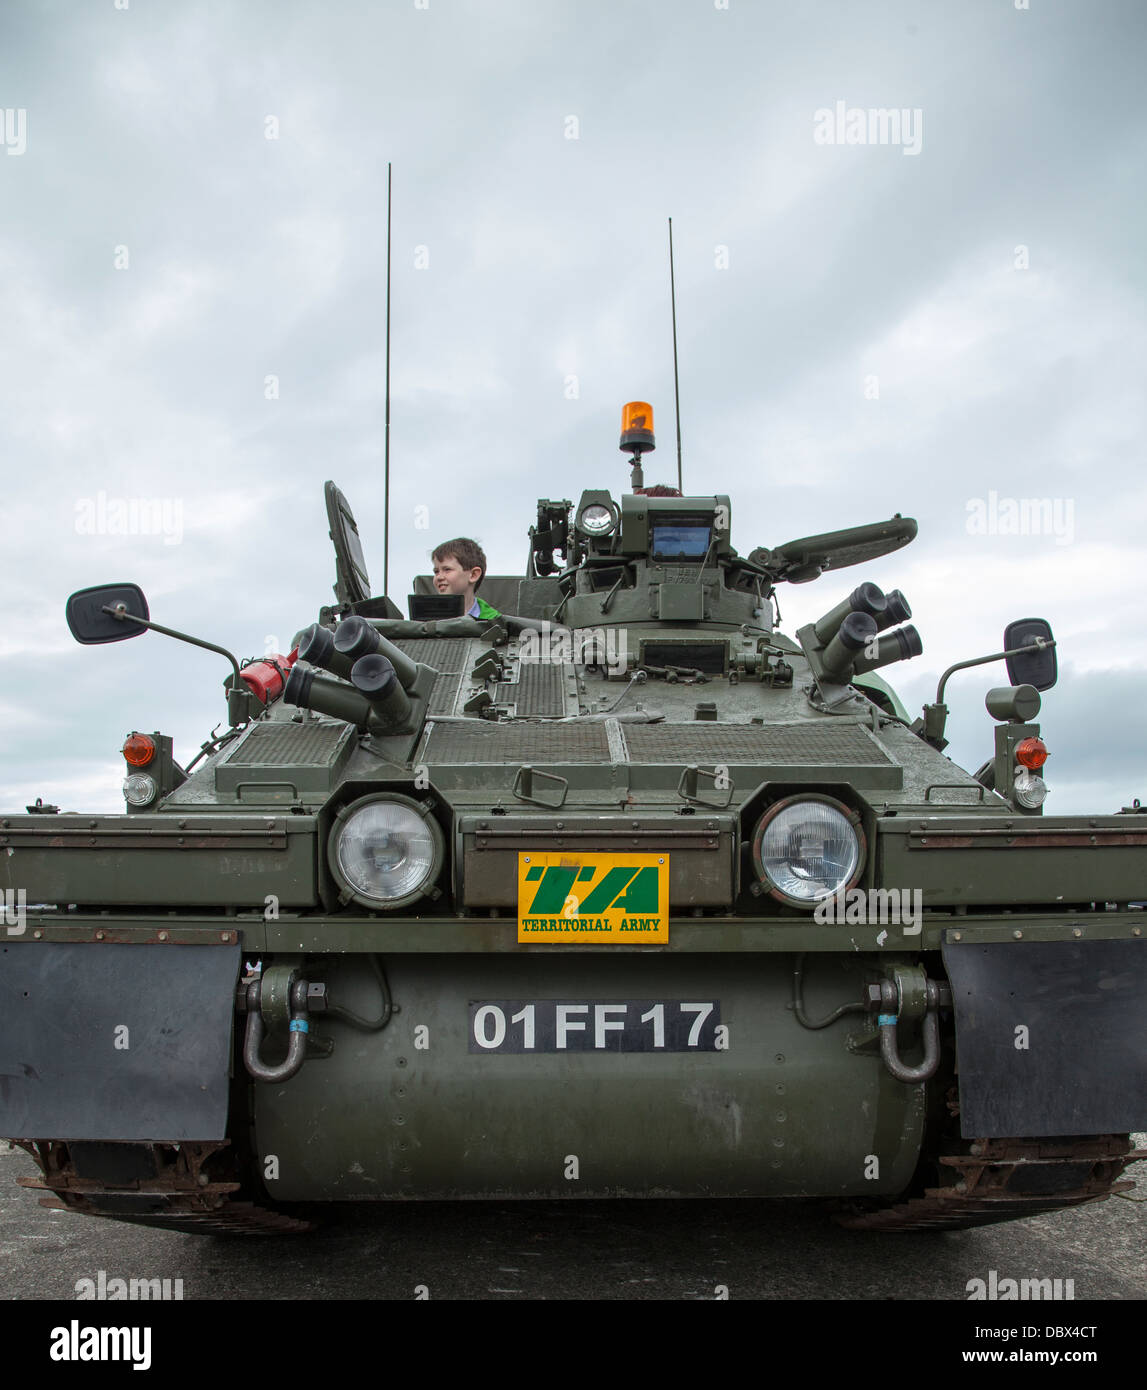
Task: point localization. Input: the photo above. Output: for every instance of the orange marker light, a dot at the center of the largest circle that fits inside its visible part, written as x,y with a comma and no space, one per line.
1031,752
637,427
139,749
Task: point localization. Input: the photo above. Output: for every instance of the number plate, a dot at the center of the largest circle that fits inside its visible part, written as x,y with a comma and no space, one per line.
596,1025
586,898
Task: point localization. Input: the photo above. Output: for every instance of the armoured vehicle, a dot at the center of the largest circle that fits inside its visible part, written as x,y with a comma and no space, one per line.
624,893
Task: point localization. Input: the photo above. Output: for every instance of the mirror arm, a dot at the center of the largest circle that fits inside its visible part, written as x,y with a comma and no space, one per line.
119,612
1039,645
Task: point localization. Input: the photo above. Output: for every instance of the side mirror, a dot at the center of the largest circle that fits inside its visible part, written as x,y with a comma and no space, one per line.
1036,668
90,625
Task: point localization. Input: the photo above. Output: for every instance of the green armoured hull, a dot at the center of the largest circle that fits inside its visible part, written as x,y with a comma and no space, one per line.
697,913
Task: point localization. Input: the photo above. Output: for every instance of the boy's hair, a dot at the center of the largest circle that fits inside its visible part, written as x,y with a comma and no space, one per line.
468,553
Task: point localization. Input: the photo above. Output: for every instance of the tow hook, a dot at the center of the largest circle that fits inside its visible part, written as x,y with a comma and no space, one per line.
910,994
279,999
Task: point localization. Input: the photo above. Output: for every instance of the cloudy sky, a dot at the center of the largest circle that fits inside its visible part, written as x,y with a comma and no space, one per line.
192,295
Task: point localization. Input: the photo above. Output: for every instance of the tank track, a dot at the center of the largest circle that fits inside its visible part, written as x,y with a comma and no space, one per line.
229,1219
995,1180
180,1196
1006,1180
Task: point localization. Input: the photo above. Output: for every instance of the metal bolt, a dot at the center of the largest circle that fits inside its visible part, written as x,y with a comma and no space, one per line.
1018,935
961,1186
202,1179
957,936
527,858
1135,931
99,936
661,861
976,1150
162,935
1076,932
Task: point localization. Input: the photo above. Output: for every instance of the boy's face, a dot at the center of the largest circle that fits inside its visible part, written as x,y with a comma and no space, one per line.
451,578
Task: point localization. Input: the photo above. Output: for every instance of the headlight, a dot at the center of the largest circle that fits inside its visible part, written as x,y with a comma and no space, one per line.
385,850
807,847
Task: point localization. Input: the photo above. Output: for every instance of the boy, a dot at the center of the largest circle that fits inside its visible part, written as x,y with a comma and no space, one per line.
459,568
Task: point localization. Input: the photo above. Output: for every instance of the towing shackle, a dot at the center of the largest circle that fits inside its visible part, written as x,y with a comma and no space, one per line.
279,995
910,994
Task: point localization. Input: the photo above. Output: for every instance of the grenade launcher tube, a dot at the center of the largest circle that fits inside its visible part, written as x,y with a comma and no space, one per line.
355,638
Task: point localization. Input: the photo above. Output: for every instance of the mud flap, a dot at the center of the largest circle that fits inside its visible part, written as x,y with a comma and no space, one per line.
115,1042
1050,1037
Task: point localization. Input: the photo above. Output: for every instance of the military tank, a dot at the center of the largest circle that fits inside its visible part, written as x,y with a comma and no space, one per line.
624,893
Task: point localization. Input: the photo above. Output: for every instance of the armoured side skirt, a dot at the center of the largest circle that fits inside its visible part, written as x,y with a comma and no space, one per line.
112,1042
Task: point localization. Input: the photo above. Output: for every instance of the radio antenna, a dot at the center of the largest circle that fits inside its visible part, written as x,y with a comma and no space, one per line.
676,392
386,434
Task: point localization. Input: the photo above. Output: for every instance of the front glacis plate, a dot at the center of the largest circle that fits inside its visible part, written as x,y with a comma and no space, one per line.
586,899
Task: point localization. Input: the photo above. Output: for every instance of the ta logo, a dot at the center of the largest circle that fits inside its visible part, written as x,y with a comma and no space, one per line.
628,888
